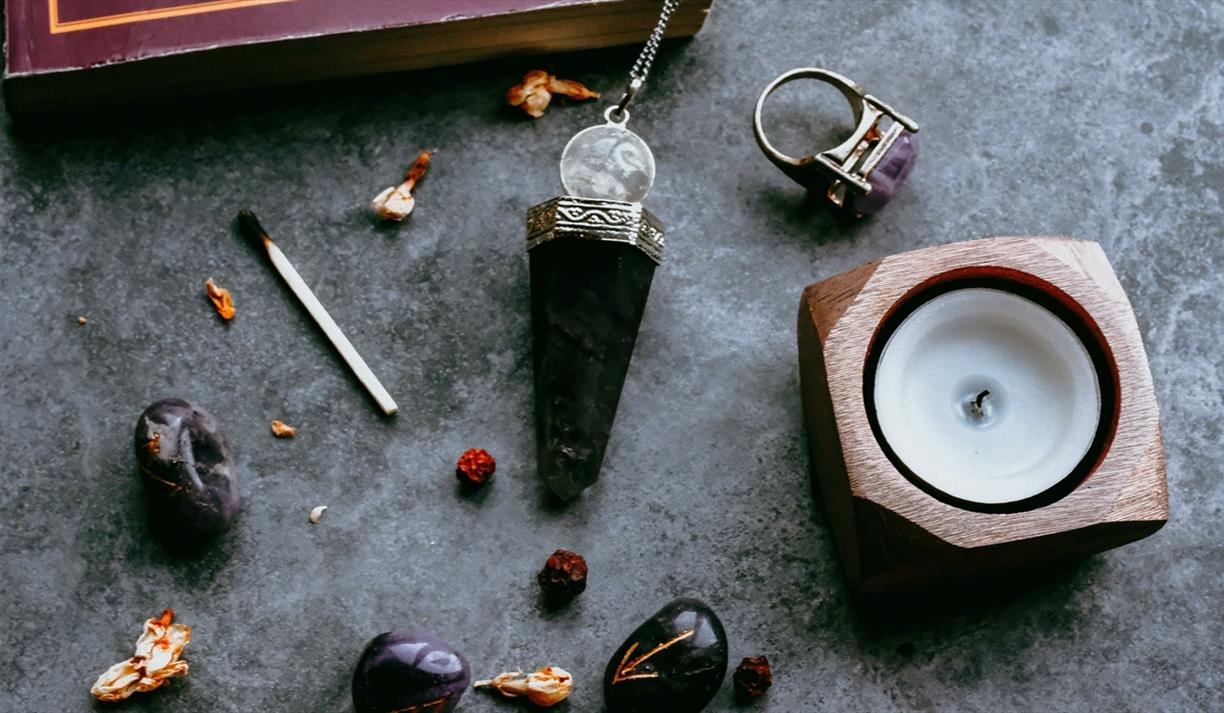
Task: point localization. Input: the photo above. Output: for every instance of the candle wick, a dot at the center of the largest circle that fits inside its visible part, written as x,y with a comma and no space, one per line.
975,405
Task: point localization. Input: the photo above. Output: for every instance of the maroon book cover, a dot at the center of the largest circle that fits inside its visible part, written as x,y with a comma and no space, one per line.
267,41
53,35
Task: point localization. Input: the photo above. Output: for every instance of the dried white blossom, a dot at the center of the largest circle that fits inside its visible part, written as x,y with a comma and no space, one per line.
317,513
396,202
544,687
155,662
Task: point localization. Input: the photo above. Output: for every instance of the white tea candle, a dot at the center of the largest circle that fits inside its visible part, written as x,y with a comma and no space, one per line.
987,396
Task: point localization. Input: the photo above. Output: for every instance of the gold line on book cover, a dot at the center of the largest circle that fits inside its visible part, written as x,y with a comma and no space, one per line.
92,23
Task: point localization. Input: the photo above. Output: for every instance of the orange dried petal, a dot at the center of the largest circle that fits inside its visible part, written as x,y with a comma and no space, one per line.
571,89
280,429
536,90
532,82
419,166
221,299
536,103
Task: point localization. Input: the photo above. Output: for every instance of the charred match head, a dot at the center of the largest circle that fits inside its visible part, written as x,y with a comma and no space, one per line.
250,228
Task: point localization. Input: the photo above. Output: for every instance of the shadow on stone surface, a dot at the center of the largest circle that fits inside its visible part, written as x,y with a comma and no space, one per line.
553,607
807,216
178,544
158,112
952,607
473,493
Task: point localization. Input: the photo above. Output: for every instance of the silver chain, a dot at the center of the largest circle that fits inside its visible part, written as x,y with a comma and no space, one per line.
637,75
642,66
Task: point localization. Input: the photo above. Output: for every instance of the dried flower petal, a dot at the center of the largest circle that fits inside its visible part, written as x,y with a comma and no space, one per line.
221,299
475,467
533,81
564,576
396,202
571,89
536,90
155,662
419,166
752,677
317,513
536,103
544,687
280,429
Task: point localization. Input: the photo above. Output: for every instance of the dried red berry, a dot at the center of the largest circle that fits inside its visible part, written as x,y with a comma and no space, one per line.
475,467
752,677
564,575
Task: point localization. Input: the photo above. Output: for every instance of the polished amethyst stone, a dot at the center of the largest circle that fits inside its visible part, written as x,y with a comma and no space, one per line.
887,176
409,672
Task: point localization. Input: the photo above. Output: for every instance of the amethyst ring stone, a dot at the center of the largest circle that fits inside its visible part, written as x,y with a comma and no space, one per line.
863,173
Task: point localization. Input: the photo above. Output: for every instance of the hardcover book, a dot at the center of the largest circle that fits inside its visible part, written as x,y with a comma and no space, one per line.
75,53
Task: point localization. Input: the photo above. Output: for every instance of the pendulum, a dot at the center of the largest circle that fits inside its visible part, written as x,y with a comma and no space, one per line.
593,252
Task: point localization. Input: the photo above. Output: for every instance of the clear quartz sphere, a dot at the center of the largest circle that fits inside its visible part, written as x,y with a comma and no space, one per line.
609,162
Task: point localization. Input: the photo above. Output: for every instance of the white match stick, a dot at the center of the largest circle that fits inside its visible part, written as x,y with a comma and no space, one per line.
250,227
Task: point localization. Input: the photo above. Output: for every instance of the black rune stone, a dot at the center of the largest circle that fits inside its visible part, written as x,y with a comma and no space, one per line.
188,471
587,299
673,663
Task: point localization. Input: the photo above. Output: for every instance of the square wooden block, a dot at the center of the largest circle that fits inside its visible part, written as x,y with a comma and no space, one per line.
893,532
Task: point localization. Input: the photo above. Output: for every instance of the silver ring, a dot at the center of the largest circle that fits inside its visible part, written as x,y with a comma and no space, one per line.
851,91
844,172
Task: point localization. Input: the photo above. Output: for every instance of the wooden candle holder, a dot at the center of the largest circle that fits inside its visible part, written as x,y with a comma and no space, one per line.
895,535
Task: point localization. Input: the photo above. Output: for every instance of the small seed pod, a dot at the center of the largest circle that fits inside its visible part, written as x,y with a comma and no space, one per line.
475,467
752,678
564,576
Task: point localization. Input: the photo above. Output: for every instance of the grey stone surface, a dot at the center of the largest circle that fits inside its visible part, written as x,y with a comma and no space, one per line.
1096,120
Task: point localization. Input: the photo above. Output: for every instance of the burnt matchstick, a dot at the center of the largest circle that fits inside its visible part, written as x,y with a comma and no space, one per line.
250,228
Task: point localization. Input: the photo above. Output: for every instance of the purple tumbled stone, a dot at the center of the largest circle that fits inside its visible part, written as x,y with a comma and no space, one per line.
887,176
188,471
404,671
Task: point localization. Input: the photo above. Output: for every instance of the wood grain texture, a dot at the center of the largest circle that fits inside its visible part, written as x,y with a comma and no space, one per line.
891,535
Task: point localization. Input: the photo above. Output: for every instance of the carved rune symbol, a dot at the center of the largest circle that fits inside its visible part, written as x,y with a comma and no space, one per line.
624,672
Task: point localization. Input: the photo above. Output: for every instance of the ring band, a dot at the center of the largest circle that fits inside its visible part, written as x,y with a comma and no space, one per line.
862,173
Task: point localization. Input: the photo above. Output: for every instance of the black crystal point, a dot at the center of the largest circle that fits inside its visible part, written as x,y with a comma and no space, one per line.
587,299
673,663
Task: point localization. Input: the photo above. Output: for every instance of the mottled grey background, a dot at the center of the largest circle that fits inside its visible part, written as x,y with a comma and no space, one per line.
1100,121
